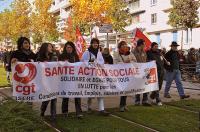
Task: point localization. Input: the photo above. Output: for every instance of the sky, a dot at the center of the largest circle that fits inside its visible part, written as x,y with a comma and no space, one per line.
4,4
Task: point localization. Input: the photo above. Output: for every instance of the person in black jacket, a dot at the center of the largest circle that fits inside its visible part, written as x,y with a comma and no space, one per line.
23,52
173,72
154,54
69,54
45,54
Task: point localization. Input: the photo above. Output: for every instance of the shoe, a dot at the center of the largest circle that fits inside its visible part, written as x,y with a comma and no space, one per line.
167,96
42,114
122,109
146,104
79,116
159,104
126,108
104,113
184,96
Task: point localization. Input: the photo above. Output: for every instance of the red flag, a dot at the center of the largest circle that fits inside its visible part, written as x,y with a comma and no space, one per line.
140,35
80,43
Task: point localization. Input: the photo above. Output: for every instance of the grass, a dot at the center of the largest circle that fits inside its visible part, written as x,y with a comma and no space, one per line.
19,117
193,105
3,80
165,118
95,123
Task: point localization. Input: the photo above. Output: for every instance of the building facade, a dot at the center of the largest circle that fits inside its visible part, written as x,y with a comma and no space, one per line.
149,15
152,17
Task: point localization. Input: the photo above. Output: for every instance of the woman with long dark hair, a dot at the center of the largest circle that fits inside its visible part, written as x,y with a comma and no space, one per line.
45,55
23,52
69,54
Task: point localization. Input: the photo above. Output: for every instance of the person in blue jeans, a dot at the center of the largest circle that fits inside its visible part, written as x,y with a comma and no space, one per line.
173,72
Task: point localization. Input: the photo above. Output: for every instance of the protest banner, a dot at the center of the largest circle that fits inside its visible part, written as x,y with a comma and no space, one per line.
41,81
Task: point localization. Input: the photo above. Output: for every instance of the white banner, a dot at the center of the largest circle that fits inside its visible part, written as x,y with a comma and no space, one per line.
41,81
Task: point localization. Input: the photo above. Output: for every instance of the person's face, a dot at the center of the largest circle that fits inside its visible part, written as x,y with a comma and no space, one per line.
50,48
26,45
95,45
174,48
69,49
155,47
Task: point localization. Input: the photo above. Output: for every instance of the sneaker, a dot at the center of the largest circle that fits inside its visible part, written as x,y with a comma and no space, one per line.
42,114
104,113
126,108
146,104
167,96
159,104
122,109
184,96
79,116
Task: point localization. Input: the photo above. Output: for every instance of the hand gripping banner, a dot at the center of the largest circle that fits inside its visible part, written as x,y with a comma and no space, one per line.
34,82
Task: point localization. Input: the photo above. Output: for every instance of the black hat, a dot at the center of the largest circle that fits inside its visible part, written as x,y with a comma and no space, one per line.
174,44
140,42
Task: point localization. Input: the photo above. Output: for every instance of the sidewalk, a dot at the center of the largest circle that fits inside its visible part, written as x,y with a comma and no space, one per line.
111,102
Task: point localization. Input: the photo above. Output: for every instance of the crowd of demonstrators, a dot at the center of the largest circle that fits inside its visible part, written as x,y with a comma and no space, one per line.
164,60
123,56
69,54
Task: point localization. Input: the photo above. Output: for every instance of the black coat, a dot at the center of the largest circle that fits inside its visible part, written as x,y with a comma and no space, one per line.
22,57
155,55
171,56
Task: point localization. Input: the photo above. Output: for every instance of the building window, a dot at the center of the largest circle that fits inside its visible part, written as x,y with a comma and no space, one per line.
153,18
153,2
175,36
134,4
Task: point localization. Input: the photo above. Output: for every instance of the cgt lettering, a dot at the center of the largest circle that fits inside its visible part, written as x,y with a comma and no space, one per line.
25,90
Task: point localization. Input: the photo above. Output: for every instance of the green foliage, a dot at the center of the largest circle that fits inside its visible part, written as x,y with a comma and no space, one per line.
184,14
20,117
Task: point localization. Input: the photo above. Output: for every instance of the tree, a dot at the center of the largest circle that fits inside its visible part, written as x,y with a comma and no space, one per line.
43,22
100,11
184,15
21,10
15,22
6,24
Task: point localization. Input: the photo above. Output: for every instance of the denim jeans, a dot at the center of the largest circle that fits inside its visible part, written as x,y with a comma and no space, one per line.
175,75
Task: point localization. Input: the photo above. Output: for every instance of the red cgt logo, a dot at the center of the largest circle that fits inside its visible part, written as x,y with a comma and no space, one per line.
20,71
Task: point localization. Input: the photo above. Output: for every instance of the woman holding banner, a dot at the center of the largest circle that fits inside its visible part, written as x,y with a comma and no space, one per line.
45,54
23,52
69,54
123,56
91,55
